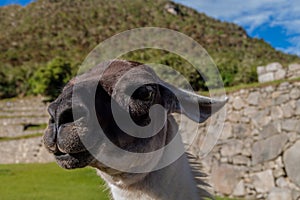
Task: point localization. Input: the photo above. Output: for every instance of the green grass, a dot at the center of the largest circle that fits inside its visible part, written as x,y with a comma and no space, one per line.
37,127
259,85
20,137
236,88
48,181
225,198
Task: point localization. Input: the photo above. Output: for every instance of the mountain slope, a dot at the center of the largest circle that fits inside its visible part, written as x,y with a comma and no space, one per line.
33,35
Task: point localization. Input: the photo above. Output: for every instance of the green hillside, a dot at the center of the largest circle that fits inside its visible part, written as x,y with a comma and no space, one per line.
32,36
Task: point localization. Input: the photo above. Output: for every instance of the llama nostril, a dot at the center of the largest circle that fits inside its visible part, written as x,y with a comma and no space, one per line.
68,115
65,117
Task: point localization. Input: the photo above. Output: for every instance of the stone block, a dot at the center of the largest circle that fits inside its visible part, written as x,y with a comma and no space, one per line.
225,178
268,131
240,160
268,149
227,131
278,172
280,74
295,194
261,118
282,99
269,89
276,112
250,111
276,94
297,112
295,93
291,160
272,67
293,71
239,190
253,98
231,148
234,116
284,86
288,110
280,194
291,125
282,182
266,77
294,67
260,70
238,103
263,181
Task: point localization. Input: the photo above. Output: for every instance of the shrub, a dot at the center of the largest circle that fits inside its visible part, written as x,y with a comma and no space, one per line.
6,86
49,80
14,80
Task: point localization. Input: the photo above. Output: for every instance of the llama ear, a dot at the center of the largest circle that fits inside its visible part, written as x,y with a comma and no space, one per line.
196,107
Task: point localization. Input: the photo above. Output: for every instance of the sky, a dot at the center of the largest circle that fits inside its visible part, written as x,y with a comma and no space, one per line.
275,21
20,2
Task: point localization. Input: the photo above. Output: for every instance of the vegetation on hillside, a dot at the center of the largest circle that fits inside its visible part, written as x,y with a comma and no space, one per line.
34,35
50,79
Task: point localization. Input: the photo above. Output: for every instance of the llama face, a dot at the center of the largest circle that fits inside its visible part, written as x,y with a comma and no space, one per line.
64,133
61,137
125,90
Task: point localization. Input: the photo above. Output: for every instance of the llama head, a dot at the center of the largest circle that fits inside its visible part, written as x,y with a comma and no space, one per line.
128,89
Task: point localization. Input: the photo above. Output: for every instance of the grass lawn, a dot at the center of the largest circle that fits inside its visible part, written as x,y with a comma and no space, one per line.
49,181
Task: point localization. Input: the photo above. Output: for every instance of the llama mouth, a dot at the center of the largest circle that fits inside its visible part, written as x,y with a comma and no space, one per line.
62,155
73,160
57,154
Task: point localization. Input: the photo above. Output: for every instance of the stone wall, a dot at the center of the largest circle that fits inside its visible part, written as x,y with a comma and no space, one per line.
275,71
17,143
258,153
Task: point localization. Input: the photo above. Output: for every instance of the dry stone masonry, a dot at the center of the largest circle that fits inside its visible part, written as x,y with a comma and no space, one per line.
275,71
258,153
15,115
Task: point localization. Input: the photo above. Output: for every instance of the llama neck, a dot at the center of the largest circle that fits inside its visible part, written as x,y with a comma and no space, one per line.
172,182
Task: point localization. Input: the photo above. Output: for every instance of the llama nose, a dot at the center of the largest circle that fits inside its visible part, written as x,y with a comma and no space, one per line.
50,133
49,138
71,124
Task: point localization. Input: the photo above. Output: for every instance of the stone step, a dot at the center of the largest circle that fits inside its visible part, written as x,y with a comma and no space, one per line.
16,111
17,131
22,111
24,151
11,131
24,120
23,102
29,106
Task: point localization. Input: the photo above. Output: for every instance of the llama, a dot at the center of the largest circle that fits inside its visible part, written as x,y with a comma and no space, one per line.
179,180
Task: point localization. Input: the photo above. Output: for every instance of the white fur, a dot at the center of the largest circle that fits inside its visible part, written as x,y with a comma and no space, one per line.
174,182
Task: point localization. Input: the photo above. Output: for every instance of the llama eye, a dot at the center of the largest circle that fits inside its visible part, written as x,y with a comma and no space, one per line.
146,96
144,93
